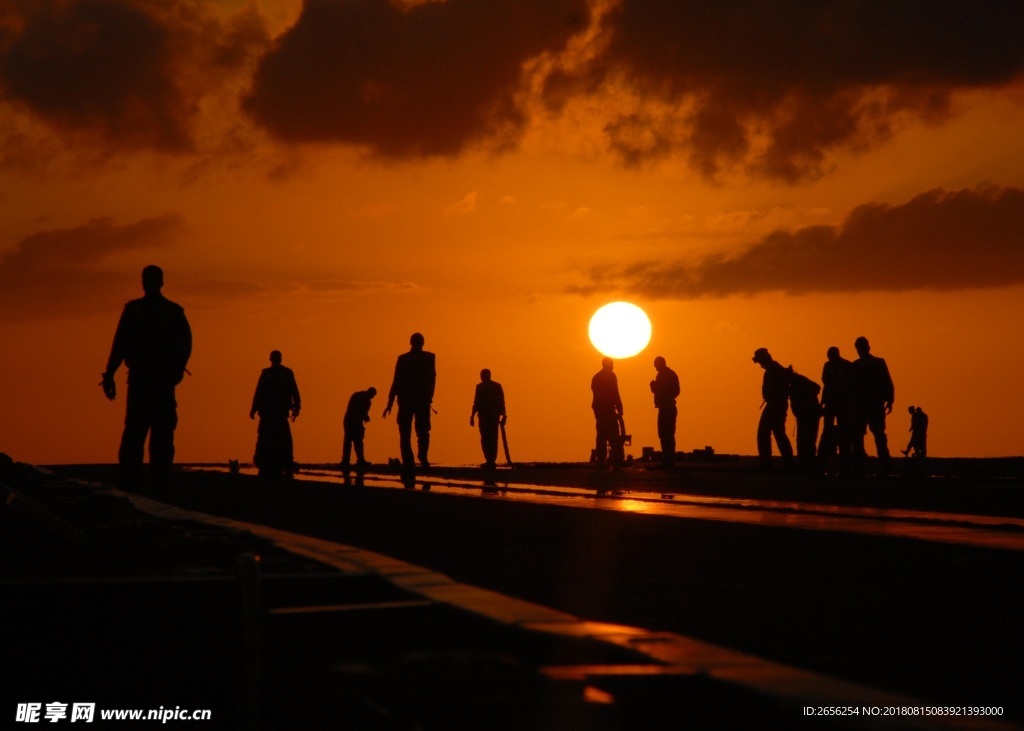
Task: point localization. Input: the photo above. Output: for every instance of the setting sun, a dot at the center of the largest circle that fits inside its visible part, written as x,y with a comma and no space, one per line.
620,330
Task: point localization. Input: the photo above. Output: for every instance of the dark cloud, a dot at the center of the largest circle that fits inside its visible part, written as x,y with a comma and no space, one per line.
775,85
129,71
938,241
61,272
771,87
421,80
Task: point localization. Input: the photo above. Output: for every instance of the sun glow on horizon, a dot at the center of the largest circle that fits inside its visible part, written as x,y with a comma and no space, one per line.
620,330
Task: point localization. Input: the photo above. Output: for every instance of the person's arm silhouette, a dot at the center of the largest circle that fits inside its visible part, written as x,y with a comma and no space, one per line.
117,355
394,387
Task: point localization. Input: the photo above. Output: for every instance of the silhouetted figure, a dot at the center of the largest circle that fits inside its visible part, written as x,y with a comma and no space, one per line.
775,392
489,405
356,415
836,407
413,386
665,388
918,433
154,341
607,406
275,400
803,399
873,397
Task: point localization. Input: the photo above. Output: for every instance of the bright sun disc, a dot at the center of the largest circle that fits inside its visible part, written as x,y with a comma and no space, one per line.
620,330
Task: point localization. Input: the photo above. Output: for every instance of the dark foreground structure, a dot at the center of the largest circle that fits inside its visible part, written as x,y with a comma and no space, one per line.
310,604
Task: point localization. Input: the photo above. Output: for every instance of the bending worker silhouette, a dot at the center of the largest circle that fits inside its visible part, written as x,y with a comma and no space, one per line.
775,392
665,388
276,398
489,405
607,406
154,341
354,423
918,433
803,401
413,386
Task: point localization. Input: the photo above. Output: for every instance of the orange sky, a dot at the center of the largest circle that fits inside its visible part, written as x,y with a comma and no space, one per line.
326,180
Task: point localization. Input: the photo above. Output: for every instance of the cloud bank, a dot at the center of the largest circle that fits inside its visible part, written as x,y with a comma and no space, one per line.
61,272
939,241
773,89
426,79
128,73
778,85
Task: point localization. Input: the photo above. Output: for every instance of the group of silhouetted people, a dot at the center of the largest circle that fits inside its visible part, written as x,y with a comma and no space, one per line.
855,397
609,449
154,341
277,398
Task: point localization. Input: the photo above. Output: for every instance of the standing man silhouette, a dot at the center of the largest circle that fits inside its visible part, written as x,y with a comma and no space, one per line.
154,340
607,406
836,407
276,398
665,388
775,392
489,404
873,397
413,386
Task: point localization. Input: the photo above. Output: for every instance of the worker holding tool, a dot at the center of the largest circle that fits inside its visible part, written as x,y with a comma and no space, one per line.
489,405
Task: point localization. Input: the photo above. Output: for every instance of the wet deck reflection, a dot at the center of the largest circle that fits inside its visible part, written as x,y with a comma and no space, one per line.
955,528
